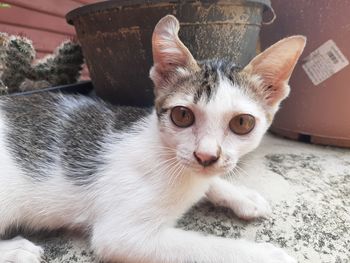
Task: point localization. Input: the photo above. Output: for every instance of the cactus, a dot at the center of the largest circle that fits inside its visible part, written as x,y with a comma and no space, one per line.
3,88
61,68
3,45
17,56
19,73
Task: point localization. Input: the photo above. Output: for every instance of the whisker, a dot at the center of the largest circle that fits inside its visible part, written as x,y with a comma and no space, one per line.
177,173
160,166
165,168
232,174
241,170
173,172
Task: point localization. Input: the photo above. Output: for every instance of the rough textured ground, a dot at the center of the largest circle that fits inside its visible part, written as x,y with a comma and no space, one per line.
308,187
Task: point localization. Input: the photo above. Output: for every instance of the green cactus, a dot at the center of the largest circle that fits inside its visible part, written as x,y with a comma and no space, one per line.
3,88
3,45
61,68
17,58
19,73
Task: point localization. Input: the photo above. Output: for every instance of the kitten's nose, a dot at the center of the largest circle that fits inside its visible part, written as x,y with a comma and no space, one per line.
206,159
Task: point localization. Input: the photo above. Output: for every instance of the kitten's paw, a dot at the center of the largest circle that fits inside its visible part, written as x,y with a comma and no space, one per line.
268,253
251,205
20,250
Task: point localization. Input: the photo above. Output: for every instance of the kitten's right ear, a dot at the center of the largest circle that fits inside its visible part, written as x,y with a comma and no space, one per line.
170,55
274,66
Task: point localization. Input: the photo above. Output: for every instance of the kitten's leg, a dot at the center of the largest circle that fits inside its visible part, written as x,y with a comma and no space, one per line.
178,246
20,250
247,204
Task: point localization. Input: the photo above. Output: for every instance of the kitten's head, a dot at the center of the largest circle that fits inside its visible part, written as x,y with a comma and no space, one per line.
212,112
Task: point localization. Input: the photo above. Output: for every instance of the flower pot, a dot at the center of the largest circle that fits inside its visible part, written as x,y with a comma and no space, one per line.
317,109
116,39
83,88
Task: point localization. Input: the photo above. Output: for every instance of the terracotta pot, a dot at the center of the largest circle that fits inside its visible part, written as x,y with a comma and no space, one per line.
319,113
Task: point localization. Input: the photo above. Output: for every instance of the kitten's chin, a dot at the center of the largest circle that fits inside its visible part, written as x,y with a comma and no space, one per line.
209,171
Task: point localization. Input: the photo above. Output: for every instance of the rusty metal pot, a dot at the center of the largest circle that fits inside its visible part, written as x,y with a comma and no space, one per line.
116,39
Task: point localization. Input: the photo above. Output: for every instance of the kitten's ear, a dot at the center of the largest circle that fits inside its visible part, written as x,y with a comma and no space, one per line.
170,56
274,66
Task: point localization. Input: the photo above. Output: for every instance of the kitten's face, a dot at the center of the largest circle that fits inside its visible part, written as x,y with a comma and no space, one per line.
211,113
218,118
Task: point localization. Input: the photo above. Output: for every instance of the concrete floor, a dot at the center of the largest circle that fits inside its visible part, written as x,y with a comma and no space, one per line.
308,187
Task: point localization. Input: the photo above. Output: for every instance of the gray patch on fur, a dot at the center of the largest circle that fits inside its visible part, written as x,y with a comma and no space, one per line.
32,124
208,84
203,84
209,78
84,136
54,131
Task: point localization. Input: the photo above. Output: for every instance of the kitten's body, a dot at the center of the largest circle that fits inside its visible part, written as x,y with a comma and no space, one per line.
126,174
114,188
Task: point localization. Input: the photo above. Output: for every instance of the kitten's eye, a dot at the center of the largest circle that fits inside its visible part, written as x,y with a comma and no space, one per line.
242,124
182,116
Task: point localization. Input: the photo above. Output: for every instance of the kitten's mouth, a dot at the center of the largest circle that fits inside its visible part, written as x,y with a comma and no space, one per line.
211,170
208,170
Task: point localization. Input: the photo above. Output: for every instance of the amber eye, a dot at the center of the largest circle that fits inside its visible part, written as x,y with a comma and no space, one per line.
242,124
182,116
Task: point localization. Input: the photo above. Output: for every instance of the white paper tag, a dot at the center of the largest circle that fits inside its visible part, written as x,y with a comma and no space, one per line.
324,62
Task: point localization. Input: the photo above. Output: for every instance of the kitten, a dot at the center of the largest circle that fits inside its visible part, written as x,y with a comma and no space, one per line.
127,174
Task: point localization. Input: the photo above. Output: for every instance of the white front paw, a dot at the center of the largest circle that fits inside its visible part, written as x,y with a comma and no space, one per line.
20,250
251,205
268,253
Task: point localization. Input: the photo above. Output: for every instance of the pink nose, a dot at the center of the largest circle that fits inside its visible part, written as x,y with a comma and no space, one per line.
206,159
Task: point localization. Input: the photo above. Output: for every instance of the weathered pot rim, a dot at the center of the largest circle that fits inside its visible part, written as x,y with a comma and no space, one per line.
105,5
81,87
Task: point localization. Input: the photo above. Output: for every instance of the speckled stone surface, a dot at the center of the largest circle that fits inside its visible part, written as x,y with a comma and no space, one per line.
308,187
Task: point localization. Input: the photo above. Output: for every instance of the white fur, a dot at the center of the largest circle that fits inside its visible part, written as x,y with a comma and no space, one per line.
20,250
133,206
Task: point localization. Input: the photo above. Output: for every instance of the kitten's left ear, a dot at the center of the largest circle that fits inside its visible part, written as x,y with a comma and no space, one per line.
170,55
274,66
